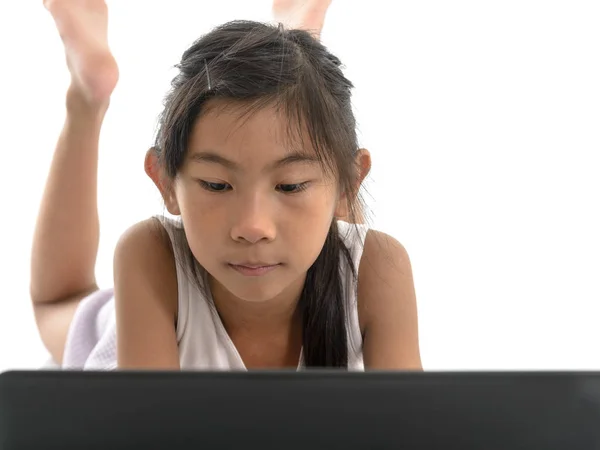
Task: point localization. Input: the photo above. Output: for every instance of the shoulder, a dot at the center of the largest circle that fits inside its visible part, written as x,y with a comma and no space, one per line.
384,275
144,254
146,242
145,249
147,231
145,280
383,252
387,304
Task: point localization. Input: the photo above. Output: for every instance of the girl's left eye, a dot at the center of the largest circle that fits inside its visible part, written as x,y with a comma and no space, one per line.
292,188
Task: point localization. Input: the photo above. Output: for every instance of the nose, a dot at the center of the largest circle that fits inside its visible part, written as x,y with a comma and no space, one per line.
253,220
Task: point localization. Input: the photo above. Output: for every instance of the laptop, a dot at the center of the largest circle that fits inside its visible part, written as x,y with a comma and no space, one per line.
299,410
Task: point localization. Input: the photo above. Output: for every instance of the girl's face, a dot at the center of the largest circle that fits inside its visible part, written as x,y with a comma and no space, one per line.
256,209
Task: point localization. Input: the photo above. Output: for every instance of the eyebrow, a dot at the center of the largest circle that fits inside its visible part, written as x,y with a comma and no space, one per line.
214,158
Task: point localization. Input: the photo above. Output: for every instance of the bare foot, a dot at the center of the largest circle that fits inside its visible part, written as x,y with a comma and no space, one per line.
83,27
306,15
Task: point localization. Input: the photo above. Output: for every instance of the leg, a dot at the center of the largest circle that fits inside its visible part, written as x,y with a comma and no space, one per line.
66,236
306,15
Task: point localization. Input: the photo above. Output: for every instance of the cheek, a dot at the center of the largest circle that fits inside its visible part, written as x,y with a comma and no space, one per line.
196,203
306,223
304,247
205,238
321,207
303,221
202,216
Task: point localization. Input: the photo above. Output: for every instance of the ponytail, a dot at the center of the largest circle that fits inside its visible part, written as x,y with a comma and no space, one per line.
324,337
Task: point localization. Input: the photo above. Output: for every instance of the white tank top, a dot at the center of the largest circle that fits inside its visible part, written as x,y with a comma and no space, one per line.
202,339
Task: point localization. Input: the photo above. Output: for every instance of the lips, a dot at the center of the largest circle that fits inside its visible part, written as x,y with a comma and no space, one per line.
252,265
253,269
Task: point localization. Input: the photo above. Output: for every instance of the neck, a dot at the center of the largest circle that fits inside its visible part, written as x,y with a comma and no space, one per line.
278,313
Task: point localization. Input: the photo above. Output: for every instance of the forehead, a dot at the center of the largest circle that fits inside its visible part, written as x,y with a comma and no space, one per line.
243,132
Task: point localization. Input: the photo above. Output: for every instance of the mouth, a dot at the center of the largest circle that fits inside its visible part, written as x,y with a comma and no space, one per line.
254,269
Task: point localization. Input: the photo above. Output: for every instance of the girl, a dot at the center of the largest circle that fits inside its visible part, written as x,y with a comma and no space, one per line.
257,157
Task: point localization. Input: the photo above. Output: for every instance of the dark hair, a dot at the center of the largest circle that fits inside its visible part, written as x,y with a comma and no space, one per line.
257,65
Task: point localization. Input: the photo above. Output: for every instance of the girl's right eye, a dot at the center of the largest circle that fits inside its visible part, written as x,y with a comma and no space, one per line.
214,187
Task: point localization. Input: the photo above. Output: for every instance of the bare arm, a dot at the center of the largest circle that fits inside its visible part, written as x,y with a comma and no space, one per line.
146,299
387,306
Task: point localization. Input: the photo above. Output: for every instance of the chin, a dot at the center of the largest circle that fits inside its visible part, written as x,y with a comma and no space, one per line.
256,293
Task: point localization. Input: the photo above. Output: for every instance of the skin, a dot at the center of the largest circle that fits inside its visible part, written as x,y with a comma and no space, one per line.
250,220
306,15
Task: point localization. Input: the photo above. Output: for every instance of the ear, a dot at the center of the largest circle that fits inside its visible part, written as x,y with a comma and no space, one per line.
363,165
165,186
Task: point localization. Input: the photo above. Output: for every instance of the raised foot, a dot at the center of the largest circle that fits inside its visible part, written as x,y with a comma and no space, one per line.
306,15
83,28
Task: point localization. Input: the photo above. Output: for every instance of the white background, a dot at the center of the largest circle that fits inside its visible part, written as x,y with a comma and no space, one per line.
483,119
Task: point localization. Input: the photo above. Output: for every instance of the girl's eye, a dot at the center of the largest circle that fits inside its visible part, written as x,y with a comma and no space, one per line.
214,187
223,187
292,188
